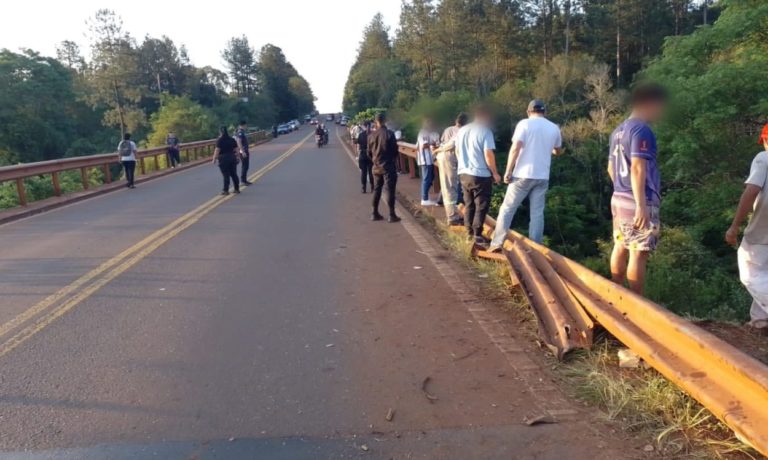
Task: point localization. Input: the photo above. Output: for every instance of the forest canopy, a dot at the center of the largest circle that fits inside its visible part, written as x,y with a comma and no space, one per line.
71,104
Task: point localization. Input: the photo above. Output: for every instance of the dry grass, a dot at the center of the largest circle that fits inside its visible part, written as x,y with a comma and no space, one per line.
641,401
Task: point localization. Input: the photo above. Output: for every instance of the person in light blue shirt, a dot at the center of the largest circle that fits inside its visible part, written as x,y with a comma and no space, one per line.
476,157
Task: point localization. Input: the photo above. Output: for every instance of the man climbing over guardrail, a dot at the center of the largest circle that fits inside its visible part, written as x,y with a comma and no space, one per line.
241,135
636,187
753,252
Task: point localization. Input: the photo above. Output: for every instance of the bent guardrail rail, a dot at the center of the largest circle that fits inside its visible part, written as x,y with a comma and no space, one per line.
189,151
725,380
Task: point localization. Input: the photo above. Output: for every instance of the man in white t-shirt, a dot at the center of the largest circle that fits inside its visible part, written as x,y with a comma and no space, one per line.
535,140
753,252
126,153
427,140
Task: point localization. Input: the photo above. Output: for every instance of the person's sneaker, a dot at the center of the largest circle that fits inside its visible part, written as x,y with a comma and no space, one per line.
237,191
376,217
246,183
394,219
428,203
224,193
364,190
481,241
456,223
759,324
495,249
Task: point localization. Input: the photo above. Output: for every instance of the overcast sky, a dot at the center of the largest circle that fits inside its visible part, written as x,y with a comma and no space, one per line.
320,38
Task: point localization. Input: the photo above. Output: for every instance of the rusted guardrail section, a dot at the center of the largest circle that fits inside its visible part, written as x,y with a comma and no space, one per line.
190,151
728,382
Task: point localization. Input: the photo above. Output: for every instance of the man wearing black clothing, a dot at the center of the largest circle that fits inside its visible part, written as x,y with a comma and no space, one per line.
363,159
242,142
382,148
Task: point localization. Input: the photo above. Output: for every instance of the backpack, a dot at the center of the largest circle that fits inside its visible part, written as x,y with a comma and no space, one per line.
125,148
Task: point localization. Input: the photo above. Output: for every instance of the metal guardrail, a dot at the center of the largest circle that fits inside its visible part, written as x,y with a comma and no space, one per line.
190,151
563,293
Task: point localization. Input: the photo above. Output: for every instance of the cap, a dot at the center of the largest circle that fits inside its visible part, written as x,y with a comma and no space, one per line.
537,105
763,135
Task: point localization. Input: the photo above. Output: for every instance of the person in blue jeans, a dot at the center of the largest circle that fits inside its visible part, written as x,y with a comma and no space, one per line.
427,141
535,140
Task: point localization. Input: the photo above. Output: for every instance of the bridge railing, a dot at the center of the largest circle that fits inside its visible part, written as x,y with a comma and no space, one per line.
569,299
148,160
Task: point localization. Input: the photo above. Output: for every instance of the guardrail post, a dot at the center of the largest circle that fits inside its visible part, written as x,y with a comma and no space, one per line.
21,191
107,173
157,162
84,177
436,182
56,184
142,168
412,167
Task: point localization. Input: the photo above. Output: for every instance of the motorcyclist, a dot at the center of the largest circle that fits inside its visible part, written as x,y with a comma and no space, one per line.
325,135
320,134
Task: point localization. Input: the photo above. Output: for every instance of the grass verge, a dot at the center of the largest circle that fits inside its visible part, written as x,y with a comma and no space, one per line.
640,401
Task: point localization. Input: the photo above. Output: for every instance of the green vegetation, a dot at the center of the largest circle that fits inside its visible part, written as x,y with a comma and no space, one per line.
582,57
69,106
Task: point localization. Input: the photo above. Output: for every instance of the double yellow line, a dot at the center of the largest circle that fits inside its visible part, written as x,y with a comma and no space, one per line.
45,312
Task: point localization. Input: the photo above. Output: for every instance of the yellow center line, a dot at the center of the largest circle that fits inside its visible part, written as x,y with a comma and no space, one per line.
113,268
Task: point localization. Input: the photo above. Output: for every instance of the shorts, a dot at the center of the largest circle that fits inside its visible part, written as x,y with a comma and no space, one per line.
624,231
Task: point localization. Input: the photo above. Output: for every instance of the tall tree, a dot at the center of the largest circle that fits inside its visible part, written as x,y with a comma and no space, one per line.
241,63
68,53
113,73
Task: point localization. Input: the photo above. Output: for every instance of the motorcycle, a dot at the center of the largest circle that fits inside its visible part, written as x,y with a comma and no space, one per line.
319,140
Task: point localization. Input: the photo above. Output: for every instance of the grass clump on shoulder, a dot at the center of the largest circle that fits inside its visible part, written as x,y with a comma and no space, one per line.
645,404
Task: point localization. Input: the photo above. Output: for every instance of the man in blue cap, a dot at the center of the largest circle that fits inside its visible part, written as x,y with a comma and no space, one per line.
535,140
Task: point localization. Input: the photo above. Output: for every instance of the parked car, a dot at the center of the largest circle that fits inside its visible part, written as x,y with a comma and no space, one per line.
284,129
343,122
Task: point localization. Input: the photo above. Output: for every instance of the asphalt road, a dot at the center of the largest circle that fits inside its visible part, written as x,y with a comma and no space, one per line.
278,324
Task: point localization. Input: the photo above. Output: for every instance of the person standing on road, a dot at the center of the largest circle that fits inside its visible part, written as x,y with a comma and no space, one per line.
636,199
226,155
753,252
364,161
382,148
535,140
174,154
127,155
477,171
426,141
245,155
447,164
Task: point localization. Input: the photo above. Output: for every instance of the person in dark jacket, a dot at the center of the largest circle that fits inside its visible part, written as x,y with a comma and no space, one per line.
364,161
226,155
382,148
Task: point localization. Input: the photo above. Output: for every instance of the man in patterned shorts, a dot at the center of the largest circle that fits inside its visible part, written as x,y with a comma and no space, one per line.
636,187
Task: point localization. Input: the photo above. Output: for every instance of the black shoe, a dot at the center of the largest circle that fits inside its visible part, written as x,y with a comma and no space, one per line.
393,219
376,217
481,241
224,193
237,191
456,223
364,190
131,186
245,183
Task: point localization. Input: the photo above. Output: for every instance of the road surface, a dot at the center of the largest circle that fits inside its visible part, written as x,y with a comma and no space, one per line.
166,322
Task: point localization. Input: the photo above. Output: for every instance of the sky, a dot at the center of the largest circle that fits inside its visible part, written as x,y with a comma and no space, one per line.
320,38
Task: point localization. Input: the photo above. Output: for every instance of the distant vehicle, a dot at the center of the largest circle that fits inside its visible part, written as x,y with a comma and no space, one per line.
343,122
329,118
313,122
307,118
284,129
